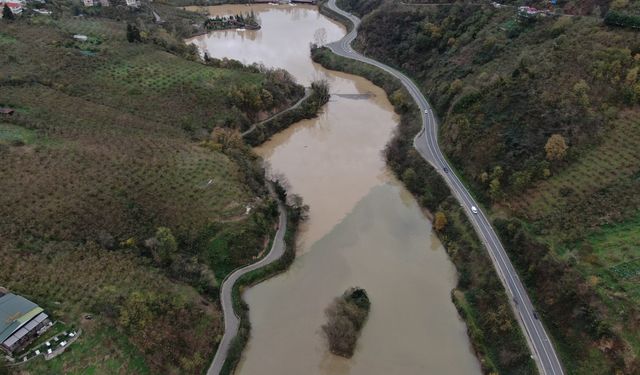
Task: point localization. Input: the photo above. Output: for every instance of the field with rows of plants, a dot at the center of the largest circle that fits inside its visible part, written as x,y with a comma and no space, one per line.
116,200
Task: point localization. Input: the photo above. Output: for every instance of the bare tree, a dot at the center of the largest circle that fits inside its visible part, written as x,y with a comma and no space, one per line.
320,37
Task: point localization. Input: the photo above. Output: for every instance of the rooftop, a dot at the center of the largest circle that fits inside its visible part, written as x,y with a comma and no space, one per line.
15,311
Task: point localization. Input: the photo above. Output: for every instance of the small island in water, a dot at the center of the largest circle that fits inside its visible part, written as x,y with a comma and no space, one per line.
346,316
247,21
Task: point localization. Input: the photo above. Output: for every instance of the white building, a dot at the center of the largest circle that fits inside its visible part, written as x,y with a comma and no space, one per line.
14,5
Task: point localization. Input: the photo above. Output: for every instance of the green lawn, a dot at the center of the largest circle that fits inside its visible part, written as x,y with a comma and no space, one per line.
99,350
11,133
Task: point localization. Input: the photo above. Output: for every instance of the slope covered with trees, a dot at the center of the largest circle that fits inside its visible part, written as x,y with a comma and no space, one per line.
126,189
540,114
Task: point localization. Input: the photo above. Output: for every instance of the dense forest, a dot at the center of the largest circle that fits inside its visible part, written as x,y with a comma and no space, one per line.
539,114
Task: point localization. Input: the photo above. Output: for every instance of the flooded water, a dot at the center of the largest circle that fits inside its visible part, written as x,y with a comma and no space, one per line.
364,229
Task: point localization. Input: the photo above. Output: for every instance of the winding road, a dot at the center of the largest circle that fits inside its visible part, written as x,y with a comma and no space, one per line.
426,143
231,319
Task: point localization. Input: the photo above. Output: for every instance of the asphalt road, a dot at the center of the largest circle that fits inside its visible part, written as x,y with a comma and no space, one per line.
426,143
231,320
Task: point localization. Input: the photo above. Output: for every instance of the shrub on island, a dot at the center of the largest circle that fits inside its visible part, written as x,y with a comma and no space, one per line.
346,316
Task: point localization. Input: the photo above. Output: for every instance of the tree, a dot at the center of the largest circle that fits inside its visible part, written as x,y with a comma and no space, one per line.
581,92
133,33
226,138
135,314
410,179
7,14
556,147
163,246
320,37
346,316
494,189
440,221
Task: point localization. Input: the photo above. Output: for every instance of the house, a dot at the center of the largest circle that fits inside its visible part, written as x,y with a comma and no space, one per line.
528,10
21,321
15,6
5,111
42,11
91,3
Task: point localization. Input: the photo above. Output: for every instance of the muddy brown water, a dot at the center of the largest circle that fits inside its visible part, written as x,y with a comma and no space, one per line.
364,229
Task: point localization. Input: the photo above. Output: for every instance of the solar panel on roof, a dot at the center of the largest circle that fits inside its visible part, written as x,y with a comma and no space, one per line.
21,333
31,325
10,341
41,317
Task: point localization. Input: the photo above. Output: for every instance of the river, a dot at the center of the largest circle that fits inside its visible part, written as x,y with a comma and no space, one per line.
364,229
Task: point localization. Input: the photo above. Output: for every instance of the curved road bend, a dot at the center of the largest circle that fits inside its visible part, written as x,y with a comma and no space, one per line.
231,320
426,143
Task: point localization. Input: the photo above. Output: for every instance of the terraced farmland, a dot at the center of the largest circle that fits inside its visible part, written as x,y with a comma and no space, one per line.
104,154
614,160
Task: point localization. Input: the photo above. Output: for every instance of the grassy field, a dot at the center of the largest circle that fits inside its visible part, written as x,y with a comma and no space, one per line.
99,352
588,212
11,134
612,161
106,148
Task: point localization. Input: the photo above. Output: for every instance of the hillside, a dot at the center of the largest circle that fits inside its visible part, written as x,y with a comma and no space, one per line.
540,116
116,198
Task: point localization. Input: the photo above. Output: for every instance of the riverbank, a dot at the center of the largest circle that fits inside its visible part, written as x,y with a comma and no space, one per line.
307,108
492,328
294,215
363,220
96,123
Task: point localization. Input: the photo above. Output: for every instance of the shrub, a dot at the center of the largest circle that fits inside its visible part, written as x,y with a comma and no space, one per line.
346,316
614,18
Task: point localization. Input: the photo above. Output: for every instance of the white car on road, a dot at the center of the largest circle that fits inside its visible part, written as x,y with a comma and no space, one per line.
474,209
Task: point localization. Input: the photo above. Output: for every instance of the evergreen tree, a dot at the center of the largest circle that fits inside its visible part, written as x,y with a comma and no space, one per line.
7,14
133,33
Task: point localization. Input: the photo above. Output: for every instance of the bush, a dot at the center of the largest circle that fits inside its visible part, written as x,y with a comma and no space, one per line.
614,18
346,316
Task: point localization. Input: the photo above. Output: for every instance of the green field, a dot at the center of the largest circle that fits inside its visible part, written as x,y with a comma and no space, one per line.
11,134
615,159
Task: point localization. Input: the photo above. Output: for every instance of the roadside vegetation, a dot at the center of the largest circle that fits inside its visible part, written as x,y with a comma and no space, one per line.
297,212
540,117
309,108
127,191
479,296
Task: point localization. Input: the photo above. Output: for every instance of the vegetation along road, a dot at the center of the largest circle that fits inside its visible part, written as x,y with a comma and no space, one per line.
307,93
426,142
231,319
